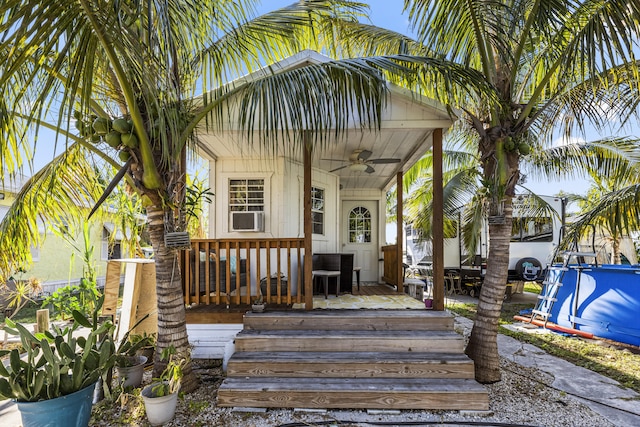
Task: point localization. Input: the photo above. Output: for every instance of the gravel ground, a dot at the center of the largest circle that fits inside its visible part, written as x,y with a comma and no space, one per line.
521,398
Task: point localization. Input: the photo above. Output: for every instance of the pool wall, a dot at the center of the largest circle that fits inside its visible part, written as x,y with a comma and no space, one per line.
606,302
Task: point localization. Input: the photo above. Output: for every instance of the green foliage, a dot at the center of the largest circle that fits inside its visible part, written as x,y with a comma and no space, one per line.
171,377
194,207
79,297
129,347
72,298
198,406
58,363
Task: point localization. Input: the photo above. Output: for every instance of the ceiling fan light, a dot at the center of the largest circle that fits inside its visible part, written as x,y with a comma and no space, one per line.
358,167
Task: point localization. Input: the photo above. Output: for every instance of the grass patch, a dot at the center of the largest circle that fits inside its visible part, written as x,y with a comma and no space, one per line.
533,287
606,358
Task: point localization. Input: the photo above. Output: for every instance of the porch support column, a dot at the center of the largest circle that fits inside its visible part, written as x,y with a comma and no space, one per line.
308,267
438,223
399,229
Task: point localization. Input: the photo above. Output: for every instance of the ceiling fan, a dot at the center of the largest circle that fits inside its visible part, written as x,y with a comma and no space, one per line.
360,162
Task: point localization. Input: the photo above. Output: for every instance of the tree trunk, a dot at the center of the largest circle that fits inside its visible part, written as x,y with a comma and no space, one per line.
172,325
615,251
483,342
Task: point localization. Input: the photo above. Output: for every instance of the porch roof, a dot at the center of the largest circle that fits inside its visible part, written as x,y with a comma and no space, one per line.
405,134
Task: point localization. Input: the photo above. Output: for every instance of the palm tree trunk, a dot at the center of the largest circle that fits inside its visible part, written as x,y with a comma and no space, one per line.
483,342
172,325
615,251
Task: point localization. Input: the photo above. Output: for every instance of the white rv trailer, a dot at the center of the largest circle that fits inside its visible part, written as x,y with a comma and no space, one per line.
533,242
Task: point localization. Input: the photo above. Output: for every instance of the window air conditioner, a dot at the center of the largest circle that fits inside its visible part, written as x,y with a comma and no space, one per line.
247,221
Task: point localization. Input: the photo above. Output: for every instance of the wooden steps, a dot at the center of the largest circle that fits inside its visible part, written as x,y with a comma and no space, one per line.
325,340
350,365
359,320
360,359
372,393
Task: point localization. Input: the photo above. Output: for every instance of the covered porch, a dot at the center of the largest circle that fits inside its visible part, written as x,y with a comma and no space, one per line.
276,208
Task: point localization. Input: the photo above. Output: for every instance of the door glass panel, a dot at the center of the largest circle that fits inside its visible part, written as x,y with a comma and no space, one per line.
360,225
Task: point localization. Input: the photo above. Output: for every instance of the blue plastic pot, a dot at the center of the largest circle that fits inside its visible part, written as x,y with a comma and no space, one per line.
72,410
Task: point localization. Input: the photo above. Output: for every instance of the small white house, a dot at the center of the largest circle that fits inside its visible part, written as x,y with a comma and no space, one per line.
261,197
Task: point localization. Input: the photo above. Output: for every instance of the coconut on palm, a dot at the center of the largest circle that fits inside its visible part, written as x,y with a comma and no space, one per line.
101,125
122,126
129,140
113,139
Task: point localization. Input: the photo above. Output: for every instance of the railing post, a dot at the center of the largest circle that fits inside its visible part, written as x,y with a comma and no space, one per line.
438,223
308,243
399,230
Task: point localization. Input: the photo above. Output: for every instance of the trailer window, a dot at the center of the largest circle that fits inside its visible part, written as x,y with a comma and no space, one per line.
532,229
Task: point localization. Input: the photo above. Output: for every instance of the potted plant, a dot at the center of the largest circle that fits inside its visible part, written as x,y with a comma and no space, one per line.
54,381
258,305
161,397
148,348
129,363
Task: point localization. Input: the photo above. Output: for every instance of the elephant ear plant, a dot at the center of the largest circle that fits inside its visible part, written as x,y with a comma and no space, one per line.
59,363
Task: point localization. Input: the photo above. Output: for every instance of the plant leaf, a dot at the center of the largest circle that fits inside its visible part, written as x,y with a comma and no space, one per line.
81,319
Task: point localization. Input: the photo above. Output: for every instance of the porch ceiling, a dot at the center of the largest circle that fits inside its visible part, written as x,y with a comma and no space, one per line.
406,134
408,145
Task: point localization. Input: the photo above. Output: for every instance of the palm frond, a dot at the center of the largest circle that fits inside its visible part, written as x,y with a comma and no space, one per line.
55,195
617,210
579,160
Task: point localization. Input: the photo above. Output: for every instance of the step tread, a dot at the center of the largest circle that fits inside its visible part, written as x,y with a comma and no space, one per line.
350,365
346,334
351,320
363,357
389,385
349,393
372,313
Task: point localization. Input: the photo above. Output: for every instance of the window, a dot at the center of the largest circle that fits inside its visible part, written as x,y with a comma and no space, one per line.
110,250
360,225
317,210
246,195
35,253
532,229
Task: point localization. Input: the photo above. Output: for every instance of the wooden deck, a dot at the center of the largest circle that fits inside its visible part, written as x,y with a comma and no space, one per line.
221,313
351,359
370,289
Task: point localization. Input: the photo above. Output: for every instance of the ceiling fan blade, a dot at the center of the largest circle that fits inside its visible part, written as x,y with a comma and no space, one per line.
334,160
370,169
364,154
337,169
383,161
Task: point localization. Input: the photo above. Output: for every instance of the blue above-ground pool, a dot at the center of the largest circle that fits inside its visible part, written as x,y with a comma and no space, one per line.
605,302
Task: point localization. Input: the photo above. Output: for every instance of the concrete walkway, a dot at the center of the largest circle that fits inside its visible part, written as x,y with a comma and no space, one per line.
603,395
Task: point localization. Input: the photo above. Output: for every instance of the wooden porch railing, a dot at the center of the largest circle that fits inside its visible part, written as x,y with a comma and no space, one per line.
237,271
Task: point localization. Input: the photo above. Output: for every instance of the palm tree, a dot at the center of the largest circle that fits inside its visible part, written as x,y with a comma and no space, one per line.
613,167
126,75
544,64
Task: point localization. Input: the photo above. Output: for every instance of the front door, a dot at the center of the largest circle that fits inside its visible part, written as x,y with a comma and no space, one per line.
360,236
